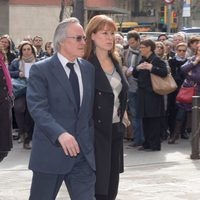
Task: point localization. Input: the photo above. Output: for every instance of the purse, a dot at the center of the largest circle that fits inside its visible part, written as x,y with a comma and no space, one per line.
19,86
163,85
185,94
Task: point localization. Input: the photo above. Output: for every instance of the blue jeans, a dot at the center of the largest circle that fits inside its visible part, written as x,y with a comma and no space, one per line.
135,119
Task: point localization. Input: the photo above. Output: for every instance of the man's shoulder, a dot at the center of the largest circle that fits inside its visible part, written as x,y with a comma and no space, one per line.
45,62
86,63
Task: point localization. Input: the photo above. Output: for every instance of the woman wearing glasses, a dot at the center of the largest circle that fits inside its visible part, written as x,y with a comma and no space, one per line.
19,69
109,105
191,70
175,67
151,105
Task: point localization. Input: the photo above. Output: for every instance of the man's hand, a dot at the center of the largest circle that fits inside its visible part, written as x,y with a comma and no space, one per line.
69,144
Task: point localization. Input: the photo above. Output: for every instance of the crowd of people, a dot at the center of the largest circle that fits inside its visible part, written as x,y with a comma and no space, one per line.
74,102
156,118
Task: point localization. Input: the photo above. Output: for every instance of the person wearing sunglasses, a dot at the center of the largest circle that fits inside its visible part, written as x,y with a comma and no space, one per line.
191,70
160,49
109,105
60,97
176,128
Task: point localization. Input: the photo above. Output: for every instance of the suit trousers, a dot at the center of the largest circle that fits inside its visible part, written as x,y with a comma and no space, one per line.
80,182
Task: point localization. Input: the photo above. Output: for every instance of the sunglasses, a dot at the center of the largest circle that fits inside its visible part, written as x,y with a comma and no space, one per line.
78,38
179,50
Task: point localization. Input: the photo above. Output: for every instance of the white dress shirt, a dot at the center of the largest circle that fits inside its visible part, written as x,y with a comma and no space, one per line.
77,69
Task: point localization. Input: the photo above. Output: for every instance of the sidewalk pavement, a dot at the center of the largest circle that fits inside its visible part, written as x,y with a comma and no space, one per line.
168,174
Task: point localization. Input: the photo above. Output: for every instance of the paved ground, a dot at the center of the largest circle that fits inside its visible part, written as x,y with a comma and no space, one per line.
166,175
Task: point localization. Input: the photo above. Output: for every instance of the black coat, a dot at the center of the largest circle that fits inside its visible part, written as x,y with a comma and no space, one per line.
176,72
103,114
151,104
5,115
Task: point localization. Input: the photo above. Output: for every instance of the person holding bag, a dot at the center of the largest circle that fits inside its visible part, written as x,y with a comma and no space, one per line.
175,67
151,104
191,69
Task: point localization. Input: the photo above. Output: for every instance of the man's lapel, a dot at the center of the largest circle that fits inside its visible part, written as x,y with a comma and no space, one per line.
85,82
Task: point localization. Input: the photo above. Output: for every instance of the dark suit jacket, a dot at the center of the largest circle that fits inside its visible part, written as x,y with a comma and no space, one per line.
52,105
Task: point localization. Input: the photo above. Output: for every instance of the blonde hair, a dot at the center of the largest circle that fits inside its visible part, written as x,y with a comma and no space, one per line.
182,44
95,24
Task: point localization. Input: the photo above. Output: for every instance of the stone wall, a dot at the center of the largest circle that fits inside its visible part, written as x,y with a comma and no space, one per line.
4,17
33,20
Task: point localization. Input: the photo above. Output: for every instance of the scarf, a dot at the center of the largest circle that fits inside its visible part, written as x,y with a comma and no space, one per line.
179,58
6,74
24,60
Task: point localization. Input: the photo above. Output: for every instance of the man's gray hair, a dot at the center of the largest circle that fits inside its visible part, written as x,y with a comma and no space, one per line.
61,32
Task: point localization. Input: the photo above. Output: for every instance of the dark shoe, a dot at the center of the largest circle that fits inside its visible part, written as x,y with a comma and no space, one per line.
3,155
135,145
173,140
143,149
157,149
27,146
15,137
185,135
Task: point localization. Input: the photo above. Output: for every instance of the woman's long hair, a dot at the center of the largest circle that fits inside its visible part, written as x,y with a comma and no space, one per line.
97,23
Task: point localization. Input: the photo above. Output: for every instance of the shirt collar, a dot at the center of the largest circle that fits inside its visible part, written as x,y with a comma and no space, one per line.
64,60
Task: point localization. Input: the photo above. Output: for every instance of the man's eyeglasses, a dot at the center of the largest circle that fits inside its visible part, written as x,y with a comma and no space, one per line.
78,38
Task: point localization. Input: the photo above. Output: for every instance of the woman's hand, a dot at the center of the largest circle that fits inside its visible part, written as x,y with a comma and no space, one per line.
197,60
145,65
21,75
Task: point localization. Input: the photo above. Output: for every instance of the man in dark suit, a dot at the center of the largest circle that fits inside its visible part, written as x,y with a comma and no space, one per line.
60,99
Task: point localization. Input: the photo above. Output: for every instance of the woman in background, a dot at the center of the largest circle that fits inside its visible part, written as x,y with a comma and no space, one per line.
6,103
19,69
191,69
109,106
7,45
48,49
175,67
151,104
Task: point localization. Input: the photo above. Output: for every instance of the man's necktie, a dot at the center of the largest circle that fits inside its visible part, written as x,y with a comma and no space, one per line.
73,78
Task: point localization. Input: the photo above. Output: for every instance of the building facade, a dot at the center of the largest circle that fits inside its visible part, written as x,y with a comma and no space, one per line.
20,18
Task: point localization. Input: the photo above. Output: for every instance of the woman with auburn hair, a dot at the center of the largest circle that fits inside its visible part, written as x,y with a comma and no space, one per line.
109,105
